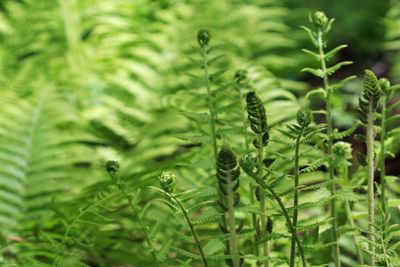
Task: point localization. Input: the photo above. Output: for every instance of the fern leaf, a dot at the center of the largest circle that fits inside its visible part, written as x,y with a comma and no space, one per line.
316,72
334,51
334,68
315,165
319,92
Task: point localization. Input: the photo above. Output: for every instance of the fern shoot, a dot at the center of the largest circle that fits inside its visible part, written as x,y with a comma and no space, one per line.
343,156
258,123
304,118
167,184
112,168
384,84
322,26
203,37
241,82
228,173
247,164
386,247
367,105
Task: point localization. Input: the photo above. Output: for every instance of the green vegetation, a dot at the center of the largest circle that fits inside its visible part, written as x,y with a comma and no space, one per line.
199,133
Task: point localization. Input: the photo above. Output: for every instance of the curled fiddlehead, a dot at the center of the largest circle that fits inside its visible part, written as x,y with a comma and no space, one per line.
167,182
368,103
228,173
257,117
112,167
370,97
258,124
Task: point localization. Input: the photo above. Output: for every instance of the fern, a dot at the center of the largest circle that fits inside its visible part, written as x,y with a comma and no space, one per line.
318,37
368,103
258,123
227,175
386,250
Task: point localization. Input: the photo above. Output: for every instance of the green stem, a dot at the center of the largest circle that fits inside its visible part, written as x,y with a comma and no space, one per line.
370,161
210,101
382,159
382,237
262,198
358,250
193,231
244,119
252,188
130,199
285,213
212,115
233,238
296,196
334,229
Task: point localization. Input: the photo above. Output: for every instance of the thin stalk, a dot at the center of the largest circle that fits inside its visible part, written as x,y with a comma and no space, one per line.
251,186
382,237
334,229
194,234
370,161
244,119
233,238
358,250
130,199
296,197
212,114
382,159
262,199
285,213
209,100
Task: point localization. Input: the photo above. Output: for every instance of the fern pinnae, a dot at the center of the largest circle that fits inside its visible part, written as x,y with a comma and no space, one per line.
386,95
247,164
168,187
258,123
112,168
368,103
304,118
343,153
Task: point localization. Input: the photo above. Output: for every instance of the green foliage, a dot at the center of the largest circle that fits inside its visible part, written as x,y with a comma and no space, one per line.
138,82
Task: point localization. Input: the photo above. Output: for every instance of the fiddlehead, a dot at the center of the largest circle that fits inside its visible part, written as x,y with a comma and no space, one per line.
322,26
258,124
367,105
112,167
304,118
343,155
167,184
228,173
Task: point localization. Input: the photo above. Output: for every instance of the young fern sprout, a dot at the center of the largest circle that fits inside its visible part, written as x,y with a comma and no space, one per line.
322,26
203,37
242,82
228,173
343,156
367,105
387,250
384,84
304,118
167,184
258,124
112,167
248,165
386,119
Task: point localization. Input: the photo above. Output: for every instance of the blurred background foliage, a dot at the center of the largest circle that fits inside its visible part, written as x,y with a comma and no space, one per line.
86,81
